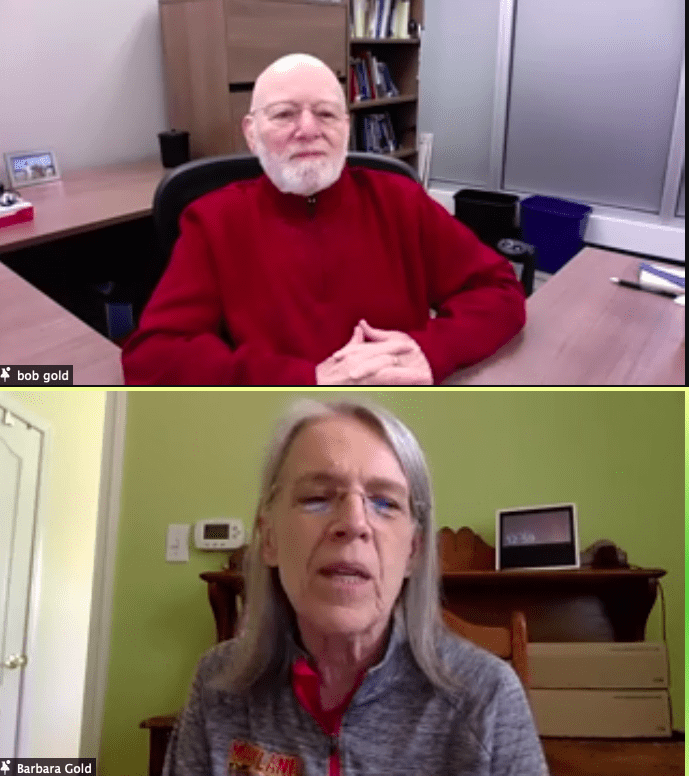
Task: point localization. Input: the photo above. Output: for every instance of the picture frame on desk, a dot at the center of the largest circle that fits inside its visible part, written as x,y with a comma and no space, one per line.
26,168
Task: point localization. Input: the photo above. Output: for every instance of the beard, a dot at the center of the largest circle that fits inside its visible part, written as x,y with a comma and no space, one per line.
300,176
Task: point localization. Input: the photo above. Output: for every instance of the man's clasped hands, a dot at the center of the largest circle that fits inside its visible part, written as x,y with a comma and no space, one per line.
376,357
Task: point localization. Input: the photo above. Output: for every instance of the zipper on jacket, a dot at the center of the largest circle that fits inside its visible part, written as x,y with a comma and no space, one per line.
334,761
312,204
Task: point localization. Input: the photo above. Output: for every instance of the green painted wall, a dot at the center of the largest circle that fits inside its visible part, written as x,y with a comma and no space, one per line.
618,455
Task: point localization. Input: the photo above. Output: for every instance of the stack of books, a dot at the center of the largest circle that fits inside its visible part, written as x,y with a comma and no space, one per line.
600,690
370,79
376,133
379,18
664,277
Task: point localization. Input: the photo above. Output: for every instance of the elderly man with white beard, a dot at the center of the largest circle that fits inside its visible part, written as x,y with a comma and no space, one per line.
319,273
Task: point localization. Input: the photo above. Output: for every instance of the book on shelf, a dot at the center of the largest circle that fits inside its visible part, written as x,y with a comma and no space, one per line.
358,17
370,65
390,90
376,133
353,86
360,89
378,85
388,133
370,79
384,26
379,18
400,23
371,18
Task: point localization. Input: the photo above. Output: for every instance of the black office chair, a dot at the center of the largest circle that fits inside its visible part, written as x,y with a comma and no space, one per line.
183,184
191,180
522,253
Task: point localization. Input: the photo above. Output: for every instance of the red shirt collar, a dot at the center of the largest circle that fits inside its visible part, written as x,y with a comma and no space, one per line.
321,202
306,684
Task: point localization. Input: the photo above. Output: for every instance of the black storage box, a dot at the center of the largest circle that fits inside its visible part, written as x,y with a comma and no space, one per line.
488,213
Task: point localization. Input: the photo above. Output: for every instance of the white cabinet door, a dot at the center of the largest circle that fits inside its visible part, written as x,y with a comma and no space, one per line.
20,464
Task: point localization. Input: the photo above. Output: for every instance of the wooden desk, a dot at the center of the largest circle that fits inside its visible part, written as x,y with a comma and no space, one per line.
36,330
589,757
85,200
582,329
33,328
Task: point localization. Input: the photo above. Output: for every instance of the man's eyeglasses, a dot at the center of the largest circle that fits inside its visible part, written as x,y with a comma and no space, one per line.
287,114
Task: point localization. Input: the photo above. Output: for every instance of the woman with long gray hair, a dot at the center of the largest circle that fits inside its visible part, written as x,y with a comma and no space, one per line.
341,665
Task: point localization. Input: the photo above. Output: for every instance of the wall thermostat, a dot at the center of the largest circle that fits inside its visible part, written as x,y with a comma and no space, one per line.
224,533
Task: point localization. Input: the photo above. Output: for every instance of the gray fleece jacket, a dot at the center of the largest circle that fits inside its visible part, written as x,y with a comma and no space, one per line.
397,724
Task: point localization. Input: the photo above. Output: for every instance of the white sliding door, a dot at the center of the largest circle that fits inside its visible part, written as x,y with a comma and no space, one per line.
593,97
459,59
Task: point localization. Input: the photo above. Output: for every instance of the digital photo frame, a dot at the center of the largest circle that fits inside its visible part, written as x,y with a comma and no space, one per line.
537,538
25,168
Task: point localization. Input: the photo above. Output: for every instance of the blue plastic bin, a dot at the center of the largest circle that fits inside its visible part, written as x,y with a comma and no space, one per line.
555,227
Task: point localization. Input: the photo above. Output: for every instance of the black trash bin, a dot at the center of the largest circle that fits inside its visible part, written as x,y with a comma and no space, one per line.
490,214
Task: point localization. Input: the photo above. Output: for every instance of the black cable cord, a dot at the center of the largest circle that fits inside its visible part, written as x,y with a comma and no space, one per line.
667,650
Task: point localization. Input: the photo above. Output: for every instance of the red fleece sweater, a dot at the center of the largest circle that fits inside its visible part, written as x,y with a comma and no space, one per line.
288,278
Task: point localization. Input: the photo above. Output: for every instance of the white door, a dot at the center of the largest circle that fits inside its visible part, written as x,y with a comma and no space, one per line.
20,468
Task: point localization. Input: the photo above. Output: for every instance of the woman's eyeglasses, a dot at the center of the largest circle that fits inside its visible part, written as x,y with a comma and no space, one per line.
327,501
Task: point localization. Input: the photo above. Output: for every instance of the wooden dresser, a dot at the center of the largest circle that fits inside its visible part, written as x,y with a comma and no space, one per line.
213,51
575,605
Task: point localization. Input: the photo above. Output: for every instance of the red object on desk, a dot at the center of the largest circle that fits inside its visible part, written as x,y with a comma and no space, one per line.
16,214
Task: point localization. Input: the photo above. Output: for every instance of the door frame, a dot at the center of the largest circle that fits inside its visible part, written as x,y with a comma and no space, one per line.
100,621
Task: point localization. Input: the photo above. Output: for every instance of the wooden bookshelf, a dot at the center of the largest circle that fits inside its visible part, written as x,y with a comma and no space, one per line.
402,56
573,605
213,50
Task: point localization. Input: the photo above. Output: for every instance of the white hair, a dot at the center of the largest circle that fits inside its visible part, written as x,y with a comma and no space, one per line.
301,176
268,616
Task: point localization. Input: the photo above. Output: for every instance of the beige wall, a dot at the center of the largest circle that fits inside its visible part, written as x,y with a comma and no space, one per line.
84,79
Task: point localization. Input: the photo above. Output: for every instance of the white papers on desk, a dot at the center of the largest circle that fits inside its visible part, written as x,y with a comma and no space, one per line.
680,300
425,150
663,276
